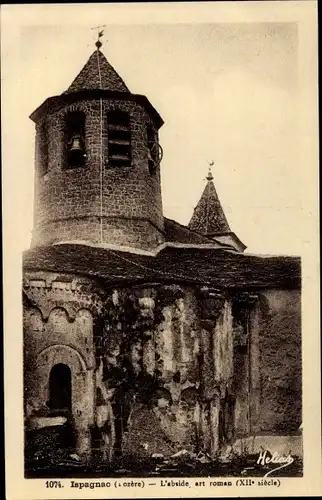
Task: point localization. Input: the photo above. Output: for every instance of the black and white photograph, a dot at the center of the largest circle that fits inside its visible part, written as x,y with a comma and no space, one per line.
163,237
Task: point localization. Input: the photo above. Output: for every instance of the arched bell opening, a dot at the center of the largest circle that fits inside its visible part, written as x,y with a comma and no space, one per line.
75,139
60,389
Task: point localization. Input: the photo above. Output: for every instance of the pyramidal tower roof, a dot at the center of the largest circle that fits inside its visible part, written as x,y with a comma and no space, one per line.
98,73
208,217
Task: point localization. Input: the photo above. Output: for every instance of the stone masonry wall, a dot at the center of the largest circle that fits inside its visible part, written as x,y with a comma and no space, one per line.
68,200
280,403
132,232
59,316
167,366
174,371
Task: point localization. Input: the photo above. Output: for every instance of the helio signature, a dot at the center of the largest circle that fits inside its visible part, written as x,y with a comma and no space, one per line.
265,458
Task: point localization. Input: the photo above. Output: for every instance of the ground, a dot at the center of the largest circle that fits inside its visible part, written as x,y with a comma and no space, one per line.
184,466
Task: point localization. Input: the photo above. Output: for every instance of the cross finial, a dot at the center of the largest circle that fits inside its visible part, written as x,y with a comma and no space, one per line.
100,33
209,176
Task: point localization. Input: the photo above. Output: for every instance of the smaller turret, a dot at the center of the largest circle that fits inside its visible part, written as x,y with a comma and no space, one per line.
210,220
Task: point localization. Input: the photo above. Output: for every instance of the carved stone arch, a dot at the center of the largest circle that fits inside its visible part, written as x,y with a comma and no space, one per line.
34,312
64,360
91,307
26,300
82,310
77,107
35,308
66,308
61,113
82,388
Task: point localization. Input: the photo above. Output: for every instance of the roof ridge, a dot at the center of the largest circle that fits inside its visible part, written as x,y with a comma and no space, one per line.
198,233
185,227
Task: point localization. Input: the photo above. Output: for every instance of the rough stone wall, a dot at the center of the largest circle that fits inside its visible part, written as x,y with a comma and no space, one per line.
59,329
149,346
169,366
241,390
245,386
130,232
158,368
280,363
68,200
223,348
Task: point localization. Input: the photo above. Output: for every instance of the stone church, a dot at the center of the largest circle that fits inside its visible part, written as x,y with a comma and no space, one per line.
144,335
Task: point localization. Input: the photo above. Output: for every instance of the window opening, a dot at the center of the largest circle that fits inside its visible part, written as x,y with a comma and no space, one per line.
75,129
119,139
60,388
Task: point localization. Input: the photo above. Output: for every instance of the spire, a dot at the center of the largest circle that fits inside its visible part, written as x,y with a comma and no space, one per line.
97,74
208,217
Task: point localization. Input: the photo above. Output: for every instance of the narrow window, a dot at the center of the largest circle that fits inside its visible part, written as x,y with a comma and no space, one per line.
60,388
75,139
119,139
43,148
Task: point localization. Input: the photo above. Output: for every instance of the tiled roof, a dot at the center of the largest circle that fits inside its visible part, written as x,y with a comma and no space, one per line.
98,74
178,233
215,267
208,216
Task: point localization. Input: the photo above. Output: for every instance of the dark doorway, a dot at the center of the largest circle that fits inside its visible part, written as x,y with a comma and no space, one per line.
60,388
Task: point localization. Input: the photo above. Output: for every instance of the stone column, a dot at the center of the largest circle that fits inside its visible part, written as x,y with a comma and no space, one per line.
168,345
254,359
83,414
214,423
211,303
148,342
247,303
83,442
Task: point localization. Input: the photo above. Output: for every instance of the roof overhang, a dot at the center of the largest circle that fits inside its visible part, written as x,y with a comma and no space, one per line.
213,267
72,97
230,238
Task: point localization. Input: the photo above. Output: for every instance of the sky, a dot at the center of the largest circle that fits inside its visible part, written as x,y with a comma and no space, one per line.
229,92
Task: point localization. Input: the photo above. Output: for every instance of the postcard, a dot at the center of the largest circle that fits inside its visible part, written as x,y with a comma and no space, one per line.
161,291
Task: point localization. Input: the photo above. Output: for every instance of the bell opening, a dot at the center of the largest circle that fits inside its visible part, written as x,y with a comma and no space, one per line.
75,142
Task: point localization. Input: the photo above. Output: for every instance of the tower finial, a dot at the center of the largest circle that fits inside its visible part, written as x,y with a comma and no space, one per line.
210,176
100,33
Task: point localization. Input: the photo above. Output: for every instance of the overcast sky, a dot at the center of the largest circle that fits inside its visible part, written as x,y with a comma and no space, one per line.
227,91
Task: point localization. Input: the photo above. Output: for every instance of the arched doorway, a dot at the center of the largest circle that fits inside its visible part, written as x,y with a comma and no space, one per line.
60,388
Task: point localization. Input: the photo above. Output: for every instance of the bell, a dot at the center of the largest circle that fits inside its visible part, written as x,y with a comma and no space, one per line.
76,143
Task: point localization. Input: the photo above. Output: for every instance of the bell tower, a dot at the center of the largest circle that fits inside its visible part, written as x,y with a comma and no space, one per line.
97,172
